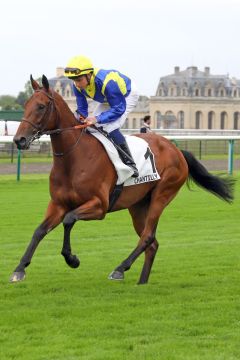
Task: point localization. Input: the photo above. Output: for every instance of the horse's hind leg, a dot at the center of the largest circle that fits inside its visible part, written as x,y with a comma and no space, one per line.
139,215
150,254
53,218
161,196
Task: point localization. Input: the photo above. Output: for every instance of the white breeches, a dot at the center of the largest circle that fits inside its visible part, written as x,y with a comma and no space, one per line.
131,102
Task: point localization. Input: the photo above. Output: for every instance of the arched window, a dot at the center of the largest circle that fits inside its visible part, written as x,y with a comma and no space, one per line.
223,116
126,124
209,92
197,92
236,120
170,120
181,119
134,123
158,120
198,119
210,119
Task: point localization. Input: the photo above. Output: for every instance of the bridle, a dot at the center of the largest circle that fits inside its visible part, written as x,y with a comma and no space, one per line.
41,130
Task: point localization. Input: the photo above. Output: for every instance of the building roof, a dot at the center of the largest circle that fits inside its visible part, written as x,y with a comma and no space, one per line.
64,81
193,77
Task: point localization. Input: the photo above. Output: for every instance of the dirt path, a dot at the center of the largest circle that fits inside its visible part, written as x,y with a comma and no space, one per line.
44,168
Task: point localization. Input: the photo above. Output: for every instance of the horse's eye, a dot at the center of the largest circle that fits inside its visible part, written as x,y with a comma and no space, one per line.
41,106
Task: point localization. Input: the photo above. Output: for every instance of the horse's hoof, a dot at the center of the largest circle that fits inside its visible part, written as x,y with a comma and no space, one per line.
72,261
17,276
116,275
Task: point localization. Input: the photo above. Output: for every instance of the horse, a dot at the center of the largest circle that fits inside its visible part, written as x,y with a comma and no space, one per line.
80,189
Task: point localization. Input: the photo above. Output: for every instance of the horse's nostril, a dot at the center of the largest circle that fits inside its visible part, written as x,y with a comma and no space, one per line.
20,142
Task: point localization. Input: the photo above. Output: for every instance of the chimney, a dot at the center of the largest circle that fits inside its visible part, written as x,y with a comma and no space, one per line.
206,70
176,70
59,71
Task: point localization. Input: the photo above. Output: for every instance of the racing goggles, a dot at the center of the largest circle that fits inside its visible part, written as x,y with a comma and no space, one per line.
75,71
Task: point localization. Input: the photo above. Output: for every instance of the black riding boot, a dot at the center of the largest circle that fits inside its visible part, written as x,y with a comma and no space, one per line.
127,158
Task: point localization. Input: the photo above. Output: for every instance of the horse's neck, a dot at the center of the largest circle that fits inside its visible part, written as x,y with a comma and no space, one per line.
68,137
65,116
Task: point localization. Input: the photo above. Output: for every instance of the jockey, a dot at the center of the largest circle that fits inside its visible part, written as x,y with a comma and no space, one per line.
115,94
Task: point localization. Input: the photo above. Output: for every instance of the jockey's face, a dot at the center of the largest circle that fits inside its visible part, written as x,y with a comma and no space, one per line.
82,81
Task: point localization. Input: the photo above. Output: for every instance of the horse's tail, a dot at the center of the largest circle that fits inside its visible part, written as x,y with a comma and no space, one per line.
221,187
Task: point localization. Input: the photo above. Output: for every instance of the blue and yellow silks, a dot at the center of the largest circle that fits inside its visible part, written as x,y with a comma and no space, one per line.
106,86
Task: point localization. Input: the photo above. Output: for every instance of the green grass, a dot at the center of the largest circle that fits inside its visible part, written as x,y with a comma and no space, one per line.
189,310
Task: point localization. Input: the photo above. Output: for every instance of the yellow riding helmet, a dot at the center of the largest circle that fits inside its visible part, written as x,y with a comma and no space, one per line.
77,66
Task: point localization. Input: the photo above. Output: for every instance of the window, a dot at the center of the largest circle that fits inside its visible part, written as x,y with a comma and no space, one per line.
126,124
197,120
210,120
236,121
209,92
222,120
197,92
134,123
181,119
158,119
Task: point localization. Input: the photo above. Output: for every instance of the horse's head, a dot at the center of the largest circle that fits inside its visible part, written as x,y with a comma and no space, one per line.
39,114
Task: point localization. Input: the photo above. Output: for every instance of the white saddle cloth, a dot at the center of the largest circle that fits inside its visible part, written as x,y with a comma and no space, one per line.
142,156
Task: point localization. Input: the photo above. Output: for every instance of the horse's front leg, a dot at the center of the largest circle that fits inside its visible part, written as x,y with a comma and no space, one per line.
91,210
53,218
72,260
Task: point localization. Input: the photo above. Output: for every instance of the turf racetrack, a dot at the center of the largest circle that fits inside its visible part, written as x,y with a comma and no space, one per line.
189,310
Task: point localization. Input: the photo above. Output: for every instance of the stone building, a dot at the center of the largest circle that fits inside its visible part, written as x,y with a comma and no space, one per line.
188,99
194,99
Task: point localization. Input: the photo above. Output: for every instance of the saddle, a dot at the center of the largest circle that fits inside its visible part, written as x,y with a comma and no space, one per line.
142,155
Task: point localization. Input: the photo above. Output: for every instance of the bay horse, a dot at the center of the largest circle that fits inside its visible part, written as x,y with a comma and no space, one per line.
83,177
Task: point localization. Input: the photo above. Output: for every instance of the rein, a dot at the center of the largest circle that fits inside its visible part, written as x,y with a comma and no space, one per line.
39,132
59,131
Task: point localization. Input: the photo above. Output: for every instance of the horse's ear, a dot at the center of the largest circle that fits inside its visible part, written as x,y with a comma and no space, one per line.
35,85
45,83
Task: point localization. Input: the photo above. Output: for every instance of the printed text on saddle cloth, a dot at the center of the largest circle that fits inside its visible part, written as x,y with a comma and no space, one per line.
153,176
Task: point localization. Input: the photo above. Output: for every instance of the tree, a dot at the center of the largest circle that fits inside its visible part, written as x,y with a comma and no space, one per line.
28,89
24,95
8,102
22,98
